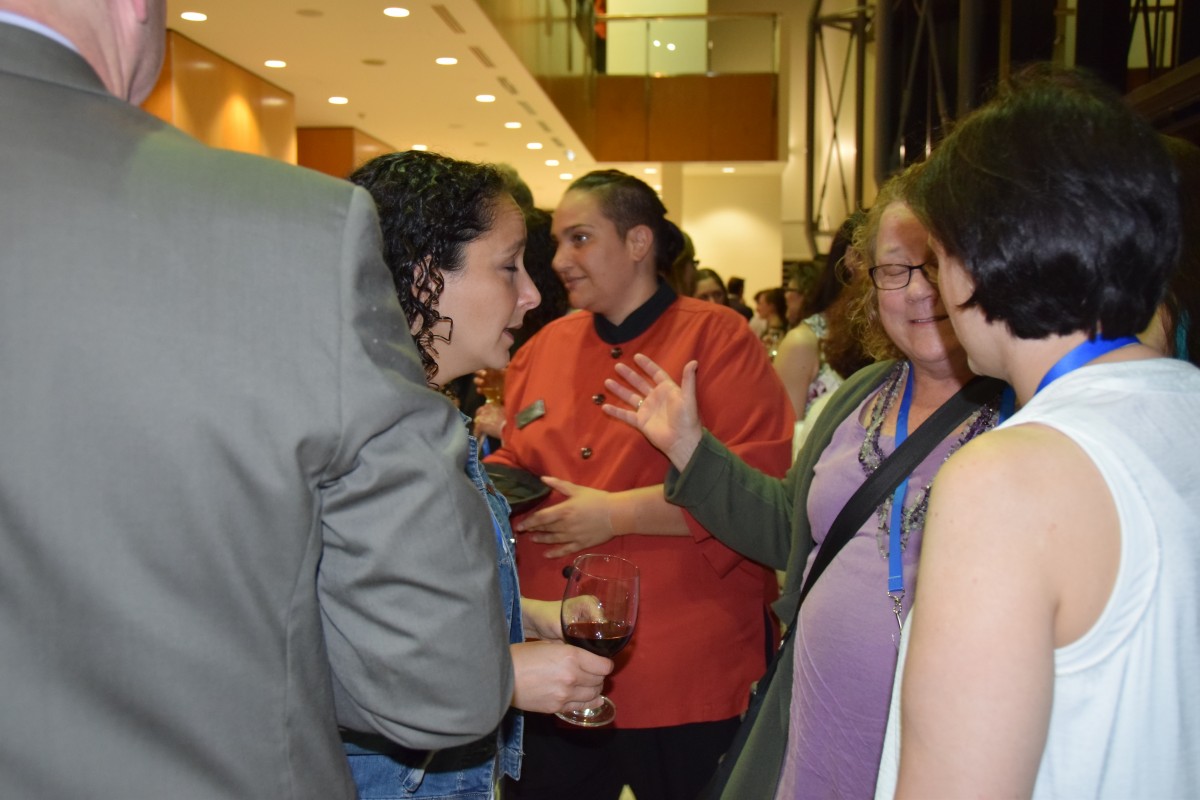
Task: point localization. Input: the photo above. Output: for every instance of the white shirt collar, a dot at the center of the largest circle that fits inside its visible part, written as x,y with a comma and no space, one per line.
19,21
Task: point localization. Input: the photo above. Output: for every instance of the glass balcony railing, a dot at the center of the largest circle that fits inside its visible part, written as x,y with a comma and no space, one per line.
713,44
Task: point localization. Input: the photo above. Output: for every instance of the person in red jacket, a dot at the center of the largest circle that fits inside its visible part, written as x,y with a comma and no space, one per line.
704,629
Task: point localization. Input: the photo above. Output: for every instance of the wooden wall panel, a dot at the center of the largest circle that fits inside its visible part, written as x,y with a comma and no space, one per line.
621,118
575,100
337,151
222,104
328,150
679,116
743,118
686,118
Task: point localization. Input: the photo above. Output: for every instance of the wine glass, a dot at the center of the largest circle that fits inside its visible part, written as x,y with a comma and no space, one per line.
490,383
599,611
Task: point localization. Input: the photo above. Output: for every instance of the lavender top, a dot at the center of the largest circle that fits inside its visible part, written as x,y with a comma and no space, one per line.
846,636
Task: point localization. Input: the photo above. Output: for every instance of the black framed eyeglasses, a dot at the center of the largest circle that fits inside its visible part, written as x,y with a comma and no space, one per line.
897,276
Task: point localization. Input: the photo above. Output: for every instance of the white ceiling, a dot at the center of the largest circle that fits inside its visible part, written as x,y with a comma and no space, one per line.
385,67
332,48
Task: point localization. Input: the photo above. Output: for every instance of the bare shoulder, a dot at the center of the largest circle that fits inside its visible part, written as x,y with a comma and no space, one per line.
799,346
1029,498
1011,493
1021,459
801,336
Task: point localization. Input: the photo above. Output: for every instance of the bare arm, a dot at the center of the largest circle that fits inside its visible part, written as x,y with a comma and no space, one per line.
1016,561
796,362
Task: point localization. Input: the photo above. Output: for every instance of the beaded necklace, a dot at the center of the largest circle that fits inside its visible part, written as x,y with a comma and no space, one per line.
870,456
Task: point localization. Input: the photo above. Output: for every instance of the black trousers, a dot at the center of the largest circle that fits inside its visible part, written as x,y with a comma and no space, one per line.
563,762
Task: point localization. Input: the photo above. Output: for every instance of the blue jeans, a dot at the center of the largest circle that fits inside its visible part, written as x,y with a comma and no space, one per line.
381,777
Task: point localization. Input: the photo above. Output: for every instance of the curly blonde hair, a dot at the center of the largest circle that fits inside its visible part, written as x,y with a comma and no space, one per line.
863,307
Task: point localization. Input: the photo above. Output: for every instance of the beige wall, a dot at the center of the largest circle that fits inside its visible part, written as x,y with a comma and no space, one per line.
734,223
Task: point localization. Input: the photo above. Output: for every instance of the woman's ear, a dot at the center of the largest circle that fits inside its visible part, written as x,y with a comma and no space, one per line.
639,240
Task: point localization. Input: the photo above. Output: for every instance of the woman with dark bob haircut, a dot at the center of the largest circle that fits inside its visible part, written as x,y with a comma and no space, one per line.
454,241
1053,646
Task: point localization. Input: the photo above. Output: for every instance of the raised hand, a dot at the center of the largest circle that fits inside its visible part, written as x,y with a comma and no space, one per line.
664,411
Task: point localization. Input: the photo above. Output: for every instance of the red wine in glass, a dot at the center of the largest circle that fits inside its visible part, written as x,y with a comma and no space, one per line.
599,612
602,638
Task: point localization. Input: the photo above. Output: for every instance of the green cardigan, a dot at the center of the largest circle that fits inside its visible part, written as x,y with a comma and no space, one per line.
766,519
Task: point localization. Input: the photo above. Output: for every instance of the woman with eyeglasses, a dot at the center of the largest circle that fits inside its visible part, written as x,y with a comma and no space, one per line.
820,731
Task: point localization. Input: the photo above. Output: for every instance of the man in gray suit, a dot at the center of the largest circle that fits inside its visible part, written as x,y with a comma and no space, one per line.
232,516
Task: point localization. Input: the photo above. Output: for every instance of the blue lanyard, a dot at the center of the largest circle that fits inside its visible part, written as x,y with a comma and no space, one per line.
1081,354
1008,400
895,562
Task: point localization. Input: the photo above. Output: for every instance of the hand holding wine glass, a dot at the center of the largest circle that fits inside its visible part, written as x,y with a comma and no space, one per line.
599,612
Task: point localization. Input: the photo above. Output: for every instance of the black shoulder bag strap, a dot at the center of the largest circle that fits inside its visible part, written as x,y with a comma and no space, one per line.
858,509
895,468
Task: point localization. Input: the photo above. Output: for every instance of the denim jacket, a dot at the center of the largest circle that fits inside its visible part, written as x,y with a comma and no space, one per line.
385,771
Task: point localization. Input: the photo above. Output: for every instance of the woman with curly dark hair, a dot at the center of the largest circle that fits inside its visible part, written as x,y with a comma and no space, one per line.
454,241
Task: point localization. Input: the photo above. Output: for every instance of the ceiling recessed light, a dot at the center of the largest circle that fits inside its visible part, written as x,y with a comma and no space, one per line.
671,47
421,147
396,12
194,16
446,61
274,63
651,171
339,101
570,155
658,187
486,98
566,176
551,162
534,145
728,170
657,43
512,126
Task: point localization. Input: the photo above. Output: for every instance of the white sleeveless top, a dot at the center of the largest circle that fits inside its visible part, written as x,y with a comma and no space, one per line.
1125,720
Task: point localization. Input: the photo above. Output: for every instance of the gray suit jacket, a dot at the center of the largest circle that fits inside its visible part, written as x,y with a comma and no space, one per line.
232,516
766,519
